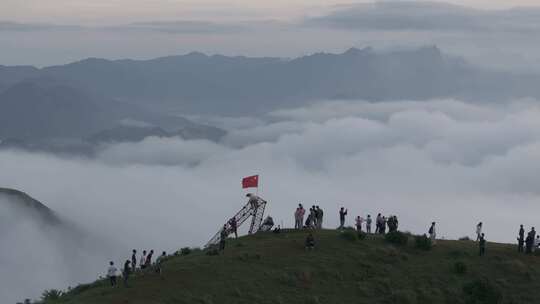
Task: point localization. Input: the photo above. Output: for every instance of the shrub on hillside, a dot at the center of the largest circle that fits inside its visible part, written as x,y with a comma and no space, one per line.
422,242
51,295
460,267
464,238
185,251
481,292
397,238
212,251
362,235
349,235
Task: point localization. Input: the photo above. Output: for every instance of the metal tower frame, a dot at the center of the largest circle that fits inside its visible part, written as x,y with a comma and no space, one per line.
254,209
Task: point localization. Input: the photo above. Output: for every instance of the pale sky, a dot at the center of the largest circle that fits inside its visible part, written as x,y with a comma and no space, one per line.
99,12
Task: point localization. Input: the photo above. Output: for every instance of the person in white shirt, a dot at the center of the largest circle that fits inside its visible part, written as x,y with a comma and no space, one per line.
142,261
111,273
299,217
536,243
478,231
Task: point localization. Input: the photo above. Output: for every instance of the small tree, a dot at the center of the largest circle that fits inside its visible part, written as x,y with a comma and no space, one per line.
51,295
397,238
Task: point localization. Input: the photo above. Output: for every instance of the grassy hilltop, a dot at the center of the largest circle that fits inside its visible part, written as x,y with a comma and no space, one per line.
275,268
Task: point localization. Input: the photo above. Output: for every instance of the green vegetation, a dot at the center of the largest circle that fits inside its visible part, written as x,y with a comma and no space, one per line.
276,268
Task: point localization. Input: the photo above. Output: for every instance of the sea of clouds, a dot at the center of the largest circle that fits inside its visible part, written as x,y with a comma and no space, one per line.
447,161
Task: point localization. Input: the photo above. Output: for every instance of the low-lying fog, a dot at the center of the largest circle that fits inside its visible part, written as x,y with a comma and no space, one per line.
444,160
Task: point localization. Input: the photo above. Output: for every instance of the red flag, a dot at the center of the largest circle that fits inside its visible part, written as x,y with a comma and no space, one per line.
250,182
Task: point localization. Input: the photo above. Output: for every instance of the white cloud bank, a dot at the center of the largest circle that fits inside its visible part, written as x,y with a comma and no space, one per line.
444,161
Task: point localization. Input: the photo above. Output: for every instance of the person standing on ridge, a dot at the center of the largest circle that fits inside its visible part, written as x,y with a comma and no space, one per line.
521,238
342,214
234,226
368,224
320,215
148,262
299,217
222,236
159,262
383,225
134,260
432,234
111,273
315,216
142,262
359,221
478,231
126,272
482,245
378,223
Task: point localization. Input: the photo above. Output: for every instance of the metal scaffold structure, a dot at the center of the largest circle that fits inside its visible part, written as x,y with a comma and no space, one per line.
254,209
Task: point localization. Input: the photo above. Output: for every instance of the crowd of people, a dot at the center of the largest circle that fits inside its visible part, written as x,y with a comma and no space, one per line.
146,264
314,220
530,243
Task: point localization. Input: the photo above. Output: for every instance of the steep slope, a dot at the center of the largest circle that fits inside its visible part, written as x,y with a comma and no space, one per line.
24,203
40,249
275,268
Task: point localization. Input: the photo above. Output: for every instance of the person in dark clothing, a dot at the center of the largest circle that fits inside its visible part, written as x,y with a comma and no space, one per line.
126,272
134,260
482,244
521,238
529,242
395,223
391,224
159,262
315,216
378,223
309,218
234,226
222,237
277,230
148,262
342,214
310,242
320,215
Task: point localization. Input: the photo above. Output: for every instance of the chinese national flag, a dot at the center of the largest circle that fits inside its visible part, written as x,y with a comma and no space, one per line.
250,182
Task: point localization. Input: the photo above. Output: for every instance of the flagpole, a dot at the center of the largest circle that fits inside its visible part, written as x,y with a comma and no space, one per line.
258,183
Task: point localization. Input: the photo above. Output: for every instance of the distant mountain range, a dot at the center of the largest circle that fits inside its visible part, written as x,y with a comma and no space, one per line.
89,98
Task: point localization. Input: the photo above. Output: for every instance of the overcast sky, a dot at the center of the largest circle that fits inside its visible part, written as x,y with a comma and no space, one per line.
486,32
118,11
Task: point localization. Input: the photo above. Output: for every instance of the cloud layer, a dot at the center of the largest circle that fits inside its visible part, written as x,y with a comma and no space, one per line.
443,160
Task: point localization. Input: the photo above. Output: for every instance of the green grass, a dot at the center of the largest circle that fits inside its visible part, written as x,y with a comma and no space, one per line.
269,268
